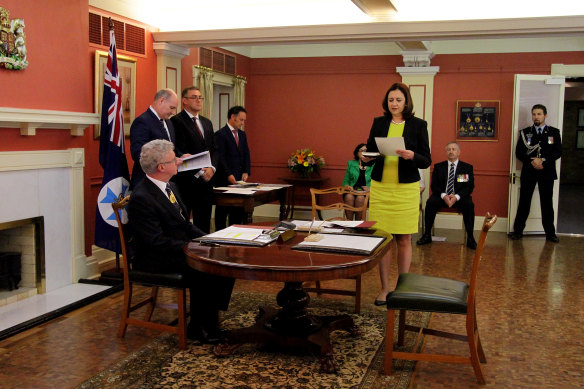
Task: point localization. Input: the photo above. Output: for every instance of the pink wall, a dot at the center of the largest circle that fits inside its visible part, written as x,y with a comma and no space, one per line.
324,103
328,104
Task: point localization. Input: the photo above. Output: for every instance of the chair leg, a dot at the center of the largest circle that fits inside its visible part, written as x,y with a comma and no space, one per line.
389,328
401,327
153,298
358,294
125,310
182,320
471,326
481,352
317,285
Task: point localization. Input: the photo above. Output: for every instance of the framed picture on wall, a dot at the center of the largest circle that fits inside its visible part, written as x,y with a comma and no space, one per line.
581,117
580,139
477,120
127,72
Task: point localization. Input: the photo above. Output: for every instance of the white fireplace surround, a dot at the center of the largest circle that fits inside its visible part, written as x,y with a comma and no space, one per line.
49,183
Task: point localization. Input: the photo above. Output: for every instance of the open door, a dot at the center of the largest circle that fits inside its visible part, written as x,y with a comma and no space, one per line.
531,90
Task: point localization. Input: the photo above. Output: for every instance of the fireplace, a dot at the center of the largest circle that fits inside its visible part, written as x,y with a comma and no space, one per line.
47,185
22,247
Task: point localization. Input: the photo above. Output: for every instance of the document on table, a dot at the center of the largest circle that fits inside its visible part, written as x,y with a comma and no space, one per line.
195,161
347,244
317,226
388,146
241,235
242,191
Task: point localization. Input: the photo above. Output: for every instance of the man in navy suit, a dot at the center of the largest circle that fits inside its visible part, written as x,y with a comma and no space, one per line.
234,162
152,124
194,134
538,147
160,229
451,190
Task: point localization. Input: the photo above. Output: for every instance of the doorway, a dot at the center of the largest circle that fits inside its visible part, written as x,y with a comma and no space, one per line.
570,207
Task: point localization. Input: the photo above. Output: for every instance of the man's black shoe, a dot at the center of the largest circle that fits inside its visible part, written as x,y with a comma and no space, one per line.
516,236
471,244
199,333
553,239
425,239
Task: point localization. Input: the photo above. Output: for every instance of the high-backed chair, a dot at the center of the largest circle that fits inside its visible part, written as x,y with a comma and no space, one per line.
416,292
154,280
316,207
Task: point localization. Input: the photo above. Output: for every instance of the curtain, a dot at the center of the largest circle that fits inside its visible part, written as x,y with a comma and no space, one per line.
239,90
205,84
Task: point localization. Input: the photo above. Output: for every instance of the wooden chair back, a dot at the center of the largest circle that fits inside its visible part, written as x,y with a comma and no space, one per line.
339,190
118,206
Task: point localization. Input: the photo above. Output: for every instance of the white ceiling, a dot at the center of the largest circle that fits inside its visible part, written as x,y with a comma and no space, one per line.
284,28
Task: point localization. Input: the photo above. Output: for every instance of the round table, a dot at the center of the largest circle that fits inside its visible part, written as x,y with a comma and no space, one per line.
290,325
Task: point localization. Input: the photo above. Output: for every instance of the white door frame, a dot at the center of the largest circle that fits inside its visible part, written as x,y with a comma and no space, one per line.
530,90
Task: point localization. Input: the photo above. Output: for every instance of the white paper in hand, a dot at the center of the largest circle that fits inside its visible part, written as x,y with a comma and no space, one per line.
388,146
196,161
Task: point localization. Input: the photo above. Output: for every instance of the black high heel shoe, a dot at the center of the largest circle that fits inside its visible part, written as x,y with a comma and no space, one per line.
380,302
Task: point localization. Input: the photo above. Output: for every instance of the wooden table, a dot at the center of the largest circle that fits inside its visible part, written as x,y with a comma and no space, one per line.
291,325
303,194
249,202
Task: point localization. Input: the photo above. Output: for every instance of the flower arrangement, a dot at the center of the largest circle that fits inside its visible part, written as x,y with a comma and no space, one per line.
305,162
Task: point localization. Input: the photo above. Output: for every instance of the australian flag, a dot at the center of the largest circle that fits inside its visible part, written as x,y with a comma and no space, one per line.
112,158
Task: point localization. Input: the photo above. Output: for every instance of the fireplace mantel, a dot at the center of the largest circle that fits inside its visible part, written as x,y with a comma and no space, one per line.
28,120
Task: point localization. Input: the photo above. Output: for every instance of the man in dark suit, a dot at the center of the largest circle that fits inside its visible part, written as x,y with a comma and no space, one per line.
194,134
160,229
234,162
452,185
538,148
152,124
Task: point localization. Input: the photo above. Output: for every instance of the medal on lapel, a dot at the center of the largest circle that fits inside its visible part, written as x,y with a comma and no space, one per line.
172,198
550,140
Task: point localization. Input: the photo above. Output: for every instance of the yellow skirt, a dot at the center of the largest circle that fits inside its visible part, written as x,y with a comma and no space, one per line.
394,206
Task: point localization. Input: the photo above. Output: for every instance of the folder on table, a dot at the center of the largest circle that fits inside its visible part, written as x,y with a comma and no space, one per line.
342,244
241,235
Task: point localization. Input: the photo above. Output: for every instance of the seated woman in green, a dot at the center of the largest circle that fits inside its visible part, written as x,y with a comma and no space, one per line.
357,177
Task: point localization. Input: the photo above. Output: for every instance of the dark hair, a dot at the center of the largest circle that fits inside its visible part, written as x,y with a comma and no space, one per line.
539,106
235,110
408,112
356,151
186,91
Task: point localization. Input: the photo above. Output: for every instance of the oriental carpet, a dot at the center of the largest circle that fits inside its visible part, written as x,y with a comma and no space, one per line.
161,364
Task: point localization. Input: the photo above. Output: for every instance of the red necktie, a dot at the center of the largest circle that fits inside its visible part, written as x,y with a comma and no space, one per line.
197,127
236,137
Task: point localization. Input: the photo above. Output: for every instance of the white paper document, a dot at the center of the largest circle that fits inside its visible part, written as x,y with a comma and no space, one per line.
353,244
388,146
241,235
196,161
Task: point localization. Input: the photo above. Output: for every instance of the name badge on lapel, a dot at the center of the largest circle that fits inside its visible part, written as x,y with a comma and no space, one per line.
529,136
550,140
462,178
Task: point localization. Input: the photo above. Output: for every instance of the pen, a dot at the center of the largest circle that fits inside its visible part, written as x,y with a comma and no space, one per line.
310,228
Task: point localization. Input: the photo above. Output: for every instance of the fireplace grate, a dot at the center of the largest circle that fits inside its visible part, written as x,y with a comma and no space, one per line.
10,266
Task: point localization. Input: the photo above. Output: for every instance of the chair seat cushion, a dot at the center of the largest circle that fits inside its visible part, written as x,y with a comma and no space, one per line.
416,292
171,280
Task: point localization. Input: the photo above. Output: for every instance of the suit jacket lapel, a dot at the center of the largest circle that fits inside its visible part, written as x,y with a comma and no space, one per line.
163,200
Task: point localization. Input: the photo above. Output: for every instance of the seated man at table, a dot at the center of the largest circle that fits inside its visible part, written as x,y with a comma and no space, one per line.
160,229
452,185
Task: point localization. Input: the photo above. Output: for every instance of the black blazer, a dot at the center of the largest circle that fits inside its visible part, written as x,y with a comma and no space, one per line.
551,149
158,231
415,139
145,128
463,179
188,137
232,159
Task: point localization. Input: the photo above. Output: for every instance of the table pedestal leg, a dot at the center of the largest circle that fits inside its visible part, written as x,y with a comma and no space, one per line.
291,326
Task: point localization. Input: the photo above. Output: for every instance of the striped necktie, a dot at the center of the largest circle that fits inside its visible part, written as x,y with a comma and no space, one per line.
450,184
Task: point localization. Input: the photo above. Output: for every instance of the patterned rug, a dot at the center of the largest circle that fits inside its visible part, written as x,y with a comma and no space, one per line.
161,364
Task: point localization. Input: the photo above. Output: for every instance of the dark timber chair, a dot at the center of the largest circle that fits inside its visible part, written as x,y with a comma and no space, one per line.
316,208
169,280
416,292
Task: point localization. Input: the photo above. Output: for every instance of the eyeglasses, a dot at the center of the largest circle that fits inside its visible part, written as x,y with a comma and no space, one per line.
165,162
195,98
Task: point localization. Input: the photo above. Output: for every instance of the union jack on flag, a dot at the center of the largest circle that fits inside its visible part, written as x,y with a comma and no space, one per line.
112,157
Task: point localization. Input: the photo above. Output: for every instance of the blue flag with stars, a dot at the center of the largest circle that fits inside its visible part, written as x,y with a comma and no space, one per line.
112,157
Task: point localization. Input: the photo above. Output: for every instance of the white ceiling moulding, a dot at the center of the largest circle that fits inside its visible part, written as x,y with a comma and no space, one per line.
28,120
382,31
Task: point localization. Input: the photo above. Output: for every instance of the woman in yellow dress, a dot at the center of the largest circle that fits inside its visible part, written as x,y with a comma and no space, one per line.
395,191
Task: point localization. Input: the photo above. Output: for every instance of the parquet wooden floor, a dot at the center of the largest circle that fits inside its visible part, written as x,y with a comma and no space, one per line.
530,315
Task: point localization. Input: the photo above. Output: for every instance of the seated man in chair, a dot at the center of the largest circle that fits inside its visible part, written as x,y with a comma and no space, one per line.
452,185
160,229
